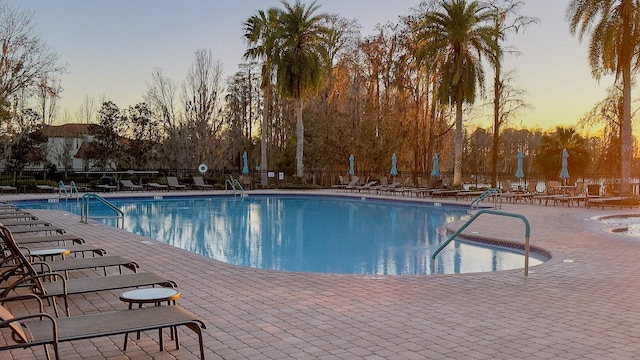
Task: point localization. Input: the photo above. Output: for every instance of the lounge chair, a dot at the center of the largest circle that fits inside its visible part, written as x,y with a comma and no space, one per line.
199,183
43,329
17,215
59,239
353,183
7,188
341,183
59,286
9,222
173,183
106,187
46,188
129,185
79,264
366,187
613,201
156,186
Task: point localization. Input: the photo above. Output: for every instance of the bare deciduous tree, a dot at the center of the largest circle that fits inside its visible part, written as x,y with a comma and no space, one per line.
25,58
202,95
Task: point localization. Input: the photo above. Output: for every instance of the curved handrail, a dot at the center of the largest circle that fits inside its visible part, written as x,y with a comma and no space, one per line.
62,188
234,184
84,208
489,192
74,188
68,190
527,233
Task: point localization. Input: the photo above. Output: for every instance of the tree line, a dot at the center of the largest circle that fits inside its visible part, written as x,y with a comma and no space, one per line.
314,91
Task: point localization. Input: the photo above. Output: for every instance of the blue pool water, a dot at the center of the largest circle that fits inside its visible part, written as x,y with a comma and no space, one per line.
305,233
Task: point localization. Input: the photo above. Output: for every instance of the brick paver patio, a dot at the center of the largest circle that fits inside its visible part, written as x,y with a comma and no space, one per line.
581,305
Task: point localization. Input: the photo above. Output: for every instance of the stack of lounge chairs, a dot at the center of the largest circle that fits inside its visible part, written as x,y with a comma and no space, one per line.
29,274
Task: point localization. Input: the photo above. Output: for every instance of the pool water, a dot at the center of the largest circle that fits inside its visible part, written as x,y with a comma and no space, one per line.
306,233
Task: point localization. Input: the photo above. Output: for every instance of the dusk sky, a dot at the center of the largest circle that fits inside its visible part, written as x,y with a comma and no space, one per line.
111,47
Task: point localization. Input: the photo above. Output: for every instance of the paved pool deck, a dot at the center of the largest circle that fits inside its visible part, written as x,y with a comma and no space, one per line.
583,304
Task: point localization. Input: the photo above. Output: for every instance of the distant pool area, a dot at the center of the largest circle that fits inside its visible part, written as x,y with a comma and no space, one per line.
306,233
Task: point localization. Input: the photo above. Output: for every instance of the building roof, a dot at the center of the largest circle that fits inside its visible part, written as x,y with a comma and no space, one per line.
68,130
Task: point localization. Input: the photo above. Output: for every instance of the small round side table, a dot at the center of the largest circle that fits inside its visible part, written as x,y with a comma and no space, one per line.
156,296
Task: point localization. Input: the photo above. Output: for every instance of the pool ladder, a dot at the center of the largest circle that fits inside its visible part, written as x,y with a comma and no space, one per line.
84,209
235,185
488,193
527,234
72,188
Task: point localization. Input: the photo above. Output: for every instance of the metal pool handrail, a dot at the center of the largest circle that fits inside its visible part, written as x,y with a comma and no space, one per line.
489,192
527,233
233,182
84,208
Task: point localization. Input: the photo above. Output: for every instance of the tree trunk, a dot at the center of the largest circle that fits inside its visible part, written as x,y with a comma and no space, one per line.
459,138
300,139
627,135
264,181
496,126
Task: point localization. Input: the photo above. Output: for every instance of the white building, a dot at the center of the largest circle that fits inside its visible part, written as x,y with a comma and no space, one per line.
65,145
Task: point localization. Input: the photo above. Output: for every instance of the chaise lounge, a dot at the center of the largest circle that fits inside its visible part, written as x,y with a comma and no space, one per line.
199,183
173,183
129,185
59,286
43,329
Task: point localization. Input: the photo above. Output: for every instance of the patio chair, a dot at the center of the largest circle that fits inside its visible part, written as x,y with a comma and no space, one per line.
174,184
366,187
18,215
59,286
199,183
156,186
74,264
353,183
59,239
43,329
341,183
7,188
46,188
129,185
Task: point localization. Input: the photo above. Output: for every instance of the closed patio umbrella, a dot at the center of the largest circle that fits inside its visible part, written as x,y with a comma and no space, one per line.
245,160
519,171
435,172
564,173
352,160
394,167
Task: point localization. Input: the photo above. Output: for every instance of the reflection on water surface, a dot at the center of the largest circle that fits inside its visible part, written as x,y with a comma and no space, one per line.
309,233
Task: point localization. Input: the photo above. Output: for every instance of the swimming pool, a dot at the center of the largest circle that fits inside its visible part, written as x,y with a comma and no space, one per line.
324,234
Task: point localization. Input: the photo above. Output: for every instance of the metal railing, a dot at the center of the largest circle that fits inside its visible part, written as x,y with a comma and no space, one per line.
84,209
527,234
235,185
488,193
68,191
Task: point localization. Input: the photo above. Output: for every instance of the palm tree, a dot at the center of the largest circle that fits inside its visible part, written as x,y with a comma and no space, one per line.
300,53
452,42
613,49
259,32
549,153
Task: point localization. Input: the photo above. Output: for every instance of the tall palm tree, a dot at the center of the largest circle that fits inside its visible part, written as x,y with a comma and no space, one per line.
259,32
300,53
614,47
452,42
